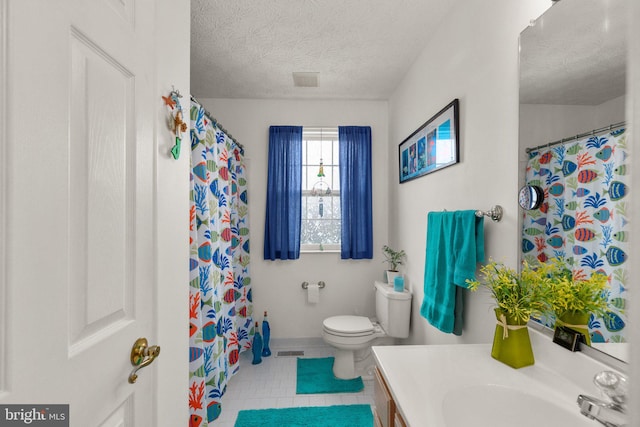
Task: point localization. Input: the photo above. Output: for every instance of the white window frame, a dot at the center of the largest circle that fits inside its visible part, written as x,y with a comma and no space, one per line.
318,134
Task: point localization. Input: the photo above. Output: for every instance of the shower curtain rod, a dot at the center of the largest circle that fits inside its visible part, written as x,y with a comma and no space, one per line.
581,135
217,123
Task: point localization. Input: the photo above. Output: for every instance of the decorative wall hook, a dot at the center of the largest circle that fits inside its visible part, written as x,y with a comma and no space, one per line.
177,124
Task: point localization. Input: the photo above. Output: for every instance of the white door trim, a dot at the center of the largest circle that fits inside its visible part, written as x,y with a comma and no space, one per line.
3,195
171,219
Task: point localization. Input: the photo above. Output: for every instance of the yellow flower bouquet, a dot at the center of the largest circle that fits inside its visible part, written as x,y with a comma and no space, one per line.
574,297
572,292
545,289
518,295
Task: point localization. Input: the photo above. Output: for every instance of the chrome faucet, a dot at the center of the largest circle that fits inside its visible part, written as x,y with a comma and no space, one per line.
608,413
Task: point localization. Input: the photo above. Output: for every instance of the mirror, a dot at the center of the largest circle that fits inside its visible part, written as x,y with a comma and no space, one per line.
572,98
530,197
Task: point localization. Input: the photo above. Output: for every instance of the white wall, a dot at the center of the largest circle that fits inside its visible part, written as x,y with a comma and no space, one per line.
276,285
474,57
541,123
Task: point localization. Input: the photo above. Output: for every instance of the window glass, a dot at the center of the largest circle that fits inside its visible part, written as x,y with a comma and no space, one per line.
320,194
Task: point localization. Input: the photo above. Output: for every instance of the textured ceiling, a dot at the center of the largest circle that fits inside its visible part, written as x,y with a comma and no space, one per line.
575,54
360,48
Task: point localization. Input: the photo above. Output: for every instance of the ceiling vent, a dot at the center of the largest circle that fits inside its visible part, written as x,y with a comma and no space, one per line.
302,79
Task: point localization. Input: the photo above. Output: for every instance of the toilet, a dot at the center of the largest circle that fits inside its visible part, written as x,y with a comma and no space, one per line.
352,336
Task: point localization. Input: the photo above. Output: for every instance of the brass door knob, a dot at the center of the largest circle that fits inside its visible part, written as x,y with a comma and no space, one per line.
142,355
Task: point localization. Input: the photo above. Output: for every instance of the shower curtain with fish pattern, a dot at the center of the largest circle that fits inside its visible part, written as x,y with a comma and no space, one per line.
584,217
221,324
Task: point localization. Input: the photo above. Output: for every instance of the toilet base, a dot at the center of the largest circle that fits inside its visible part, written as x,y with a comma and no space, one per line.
349,364
344,365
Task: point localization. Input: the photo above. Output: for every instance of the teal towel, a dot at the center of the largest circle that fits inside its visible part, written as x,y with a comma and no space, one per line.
455,244
468,245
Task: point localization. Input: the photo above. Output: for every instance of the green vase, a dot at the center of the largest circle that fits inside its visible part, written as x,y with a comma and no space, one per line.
512,347
578,321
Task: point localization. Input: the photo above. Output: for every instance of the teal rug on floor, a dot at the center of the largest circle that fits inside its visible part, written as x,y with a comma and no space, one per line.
315,375
309,416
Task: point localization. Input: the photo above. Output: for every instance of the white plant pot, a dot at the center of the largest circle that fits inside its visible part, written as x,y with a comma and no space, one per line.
391,275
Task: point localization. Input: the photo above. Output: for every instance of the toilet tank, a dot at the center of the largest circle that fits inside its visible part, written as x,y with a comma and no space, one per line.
393,310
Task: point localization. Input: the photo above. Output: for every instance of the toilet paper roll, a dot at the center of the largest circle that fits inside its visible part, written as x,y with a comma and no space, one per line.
313,293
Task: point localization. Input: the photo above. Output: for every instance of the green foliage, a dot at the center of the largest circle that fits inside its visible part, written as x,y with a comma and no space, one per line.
393,257
520,295
543,289
573,293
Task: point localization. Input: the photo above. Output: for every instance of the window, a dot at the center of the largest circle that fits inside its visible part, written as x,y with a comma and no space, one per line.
320,228
336,211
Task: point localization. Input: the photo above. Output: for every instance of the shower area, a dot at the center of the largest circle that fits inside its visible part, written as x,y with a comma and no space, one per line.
220,301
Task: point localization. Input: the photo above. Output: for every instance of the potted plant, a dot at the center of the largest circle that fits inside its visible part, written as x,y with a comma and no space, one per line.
518,295
573,297
394,259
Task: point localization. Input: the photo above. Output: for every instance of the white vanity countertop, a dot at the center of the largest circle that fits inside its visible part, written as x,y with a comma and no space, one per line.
421,377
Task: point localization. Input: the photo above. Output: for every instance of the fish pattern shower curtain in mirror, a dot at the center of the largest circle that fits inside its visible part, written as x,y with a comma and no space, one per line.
220,291
584,217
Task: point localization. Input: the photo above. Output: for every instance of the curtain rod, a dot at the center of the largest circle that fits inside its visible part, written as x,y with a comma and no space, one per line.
581,135
217,123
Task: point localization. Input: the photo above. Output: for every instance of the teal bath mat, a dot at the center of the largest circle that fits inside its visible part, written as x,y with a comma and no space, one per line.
316,376
310,416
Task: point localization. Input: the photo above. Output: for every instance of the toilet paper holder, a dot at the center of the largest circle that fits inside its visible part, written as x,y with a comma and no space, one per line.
305,285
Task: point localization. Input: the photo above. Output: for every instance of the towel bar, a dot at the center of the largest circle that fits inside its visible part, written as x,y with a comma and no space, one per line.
495,213
305,285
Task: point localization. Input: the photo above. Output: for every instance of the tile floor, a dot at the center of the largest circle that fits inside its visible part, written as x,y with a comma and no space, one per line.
272,384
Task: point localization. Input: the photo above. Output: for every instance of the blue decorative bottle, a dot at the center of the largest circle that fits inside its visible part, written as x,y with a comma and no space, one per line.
256,347
398,284
266,334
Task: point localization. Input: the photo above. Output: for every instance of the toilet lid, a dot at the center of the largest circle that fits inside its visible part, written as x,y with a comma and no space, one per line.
349,324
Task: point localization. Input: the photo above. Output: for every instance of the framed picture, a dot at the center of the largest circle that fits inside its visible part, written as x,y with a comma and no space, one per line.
433,146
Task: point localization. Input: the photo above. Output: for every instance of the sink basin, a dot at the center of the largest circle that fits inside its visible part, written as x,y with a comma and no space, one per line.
502,406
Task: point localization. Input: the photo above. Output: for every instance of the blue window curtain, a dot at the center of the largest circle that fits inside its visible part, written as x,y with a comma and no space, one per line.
284,193
355,192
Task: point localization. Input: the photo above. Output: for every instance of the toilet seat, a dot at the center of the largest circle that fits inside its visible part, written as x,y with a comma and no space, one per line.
349,326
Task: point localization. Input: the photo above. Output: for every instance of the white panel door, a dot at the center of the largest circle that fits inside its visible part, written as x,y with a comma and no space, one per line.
79,205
